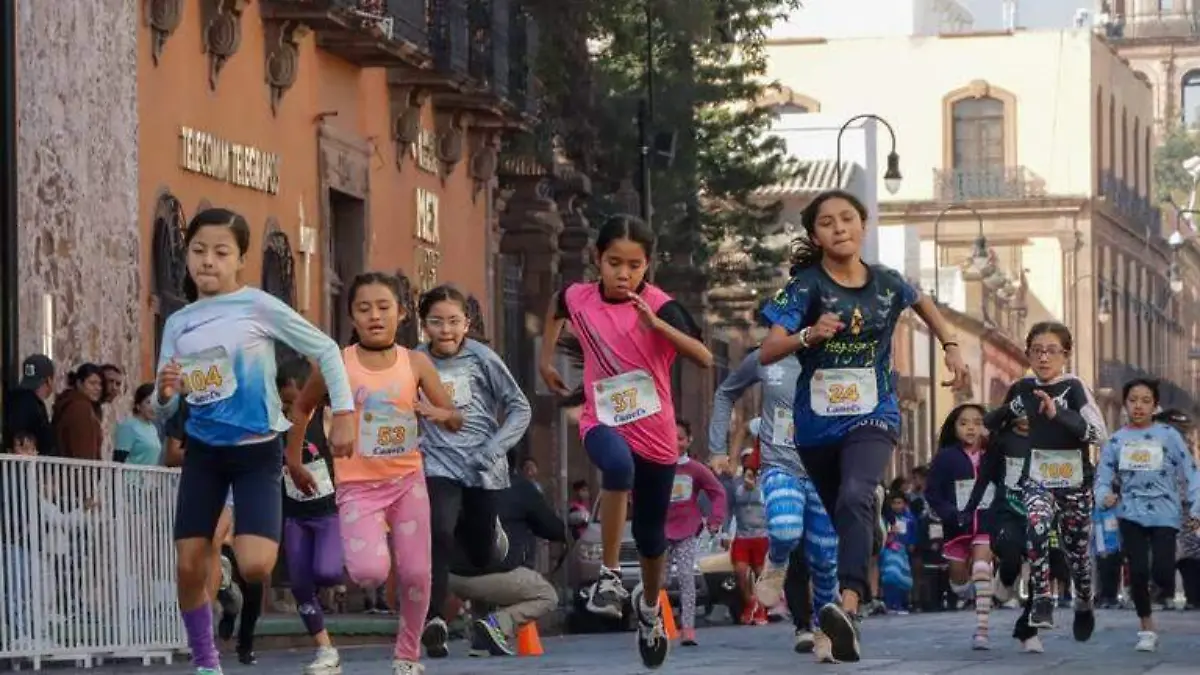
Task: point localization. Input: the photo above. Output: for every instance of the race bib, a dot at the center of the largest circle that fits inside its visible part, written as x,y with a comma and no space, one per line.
1141,456
900,527
840,392
783,428
1056,468
458,386
1111,525
626,398
320,473
935,531
1013,466
962,494
208,376
681,489
387,434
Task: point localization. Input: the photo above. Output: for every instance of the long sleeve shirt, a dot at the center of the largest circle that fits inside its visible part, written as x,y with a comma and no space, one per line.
952,475
1000,472
777,433
1151,462
485,392
684,518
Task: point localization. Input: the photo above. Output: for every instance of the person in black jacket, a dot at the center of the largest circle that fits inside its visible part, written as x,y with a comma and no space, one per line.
519,594
25,412
1056,481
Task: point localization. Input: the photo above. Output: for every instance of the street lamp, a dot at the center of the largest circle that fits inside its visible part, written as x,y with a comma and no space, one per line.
1175,278
979,260
891,177
1104,311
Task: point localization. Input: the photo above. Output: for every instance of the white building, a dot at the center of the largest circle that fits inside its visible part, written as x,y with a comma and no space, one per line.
841,19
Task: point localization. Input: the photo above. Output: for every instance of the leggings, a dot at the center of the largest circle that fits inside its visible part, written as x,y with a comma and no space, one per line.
1073,508
622,470
463,518
371,511
1151,553
797,593
796,516
313,552
681,561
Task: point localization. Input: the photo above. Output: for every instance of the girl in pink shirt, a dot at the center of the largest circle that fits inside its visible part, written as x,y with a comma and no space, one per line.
630,332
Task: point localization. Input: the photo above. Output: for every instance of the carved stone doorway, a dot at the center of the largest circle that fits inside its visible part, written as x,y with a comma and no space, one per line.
169,263
347,234
344,165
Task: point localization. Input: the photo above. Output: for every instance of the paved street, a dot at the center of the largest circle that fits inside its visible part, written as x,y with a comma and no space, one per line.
913,645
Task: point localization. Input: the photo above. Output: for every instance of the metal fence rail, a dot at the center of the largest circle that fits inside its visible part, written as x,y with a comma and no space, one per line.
87,562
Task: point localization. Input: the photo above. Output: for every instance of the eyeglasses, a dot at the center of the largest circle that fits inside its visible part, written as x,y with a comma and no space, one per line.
453,322
1047,351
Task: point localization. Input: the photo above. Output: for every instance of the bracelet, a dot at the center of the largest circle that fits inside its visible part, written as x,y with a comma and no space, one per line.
803,337
950,343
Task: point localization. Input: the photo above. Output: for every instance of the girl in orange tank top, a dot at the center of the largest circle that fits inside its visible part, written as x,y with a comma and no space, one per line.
382,475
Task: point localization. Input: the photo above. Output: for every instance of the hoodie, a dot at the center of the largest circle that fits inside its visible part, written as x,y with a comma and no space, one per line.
952,475
77,430
684,519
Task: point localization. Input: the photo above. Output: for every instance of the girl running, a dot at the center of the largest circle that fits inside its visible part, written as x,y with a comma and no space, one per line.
1152,461
220,352
379,478
630,331
794,511
312,540
967,546
837,314
1057,479
465,470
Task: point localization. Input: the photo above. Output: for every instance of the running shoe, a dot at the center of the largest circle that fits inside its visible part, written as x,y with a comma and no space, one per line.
760,616
822,648
688,636
804,641
246,657
486,633
500,546
434,639
652,641
980,642
747,618
769,587
1042,615
1001,593
407,668
843,629
1147,641
209,671
1033,646
608,595
328,662
1084,624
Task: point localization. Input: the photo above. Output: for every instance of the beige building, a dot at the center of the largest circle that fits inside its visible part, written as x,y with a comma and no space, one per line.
1055,161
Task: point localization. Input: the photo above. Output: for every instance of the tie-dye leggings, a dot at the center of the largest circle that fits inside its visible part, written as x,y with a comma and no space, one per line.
795,515
1073,509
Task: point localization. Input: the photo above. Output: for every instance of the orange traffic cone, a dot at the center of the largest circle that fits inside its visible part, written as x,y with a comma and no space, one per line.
528,642
668,616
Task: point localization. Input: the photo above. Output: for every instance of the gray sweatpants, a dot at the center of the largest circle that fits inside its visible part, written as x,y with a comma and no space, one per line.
520,596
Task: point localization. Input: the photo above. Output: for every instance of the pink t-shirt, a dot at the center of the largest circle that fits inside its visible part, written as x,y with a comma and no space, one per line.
616,342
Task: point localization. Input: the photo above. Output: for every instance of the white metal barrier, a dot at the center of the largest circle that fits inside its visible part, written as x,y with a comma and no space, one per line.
87,562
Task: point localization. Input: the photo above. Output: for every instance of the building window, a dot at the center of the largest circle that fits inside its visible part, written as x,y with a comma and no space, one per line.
979,134
1100,140
1190,99
1125,148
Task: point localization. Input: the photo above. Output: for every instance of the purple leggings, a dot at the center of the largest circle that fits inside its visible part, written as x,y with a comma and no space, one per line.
313,551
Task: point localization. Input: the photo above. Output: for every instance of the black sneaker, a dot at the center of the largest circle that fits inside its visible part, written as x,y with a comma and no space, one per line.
486,633
1042,615
246,657
434,638
1084,624
652,641
843,630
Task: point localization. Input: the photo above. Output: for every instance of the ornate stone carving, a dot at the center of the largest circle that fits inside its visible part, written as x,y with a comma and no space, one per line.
343,161
485,161
283,57
477,329
163,17
452,132
221,33
408,333
407,103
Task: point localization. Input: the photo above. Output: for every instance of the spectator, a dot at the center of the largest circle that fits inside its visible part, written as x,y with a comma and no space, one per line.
136,440
25,412
114,382
518,594
580,513
76,422
529,469
896,560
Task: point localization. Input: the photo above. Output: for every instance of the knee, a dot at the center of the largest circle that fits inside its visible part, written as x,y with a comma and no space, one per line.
981,570
326,577
856,496
369,571
651,541
192,569
256,571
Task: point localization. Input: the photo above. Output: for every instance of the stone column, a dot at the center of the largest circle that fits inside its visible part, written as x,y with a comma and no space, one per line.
678,275
78,185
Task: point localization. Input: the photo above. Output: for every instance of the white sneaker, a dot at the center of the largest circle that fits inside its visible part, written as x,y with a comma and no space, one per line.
407,668
769,587
1147,641
608,595
1000,592
1033,646
823,648
804,642
328,662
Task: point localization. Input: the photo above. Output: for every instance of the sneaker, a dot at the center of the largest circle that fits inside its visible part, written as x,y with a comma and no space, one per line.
652,641
209,671
1085,622
328,662
608,595
980,642
769,587
500,546
1033,646
1147,641
843,631
486,632
747,618
761,618
688,636
434,639
804,641
1042,615
407,668
246,657
822,648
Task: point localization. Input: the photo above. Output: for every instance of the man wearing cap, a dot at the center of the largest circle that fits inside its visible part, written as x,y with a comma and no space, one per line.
25,411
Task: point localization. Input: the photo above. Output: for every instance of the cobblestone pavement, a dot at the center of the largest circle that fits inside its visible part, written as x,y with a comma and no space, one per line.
922,644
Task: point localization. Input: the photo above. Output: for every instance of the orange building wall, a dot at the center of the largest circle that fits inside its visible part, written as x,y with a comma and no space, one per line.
176,93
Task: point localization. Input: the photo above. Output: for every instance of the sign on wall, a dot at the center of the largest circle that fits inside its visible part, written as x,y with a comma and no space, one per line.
242,165
427,253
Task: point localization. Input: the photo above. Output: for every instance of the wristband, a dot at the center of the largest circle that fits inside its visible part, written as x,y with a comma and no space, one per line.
803,337
948,344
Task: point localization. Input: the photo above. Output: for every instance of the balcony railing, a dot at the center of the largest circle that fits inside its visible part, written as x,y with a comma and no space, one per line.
488,59
1153,25
449,37
367,32
987,183
1136,208
522,46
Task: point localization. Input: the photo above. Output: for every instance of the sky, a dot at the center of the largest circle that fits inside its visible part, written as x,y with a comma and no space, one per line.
1031,13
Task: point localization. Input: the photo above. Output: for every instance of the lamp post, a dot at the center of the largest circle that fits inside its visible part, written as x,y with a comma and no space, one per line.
10,356
979,258
891,177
